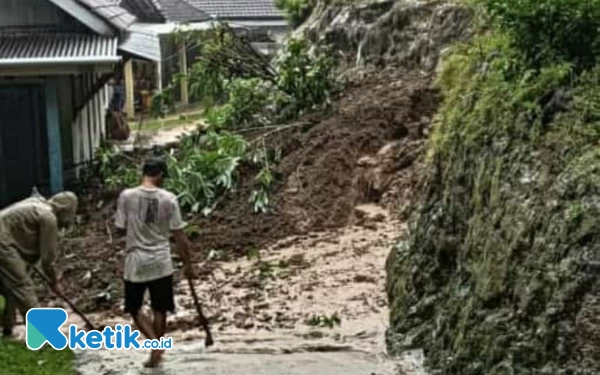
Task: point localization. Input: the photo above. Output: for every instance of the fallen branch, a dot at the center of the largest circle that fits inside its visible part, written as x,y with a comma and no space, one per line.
108,232
279,129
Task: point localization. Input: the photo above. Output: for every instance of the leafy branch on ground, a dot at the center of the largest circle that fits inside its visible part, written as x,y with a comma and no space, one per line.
115,168
242,89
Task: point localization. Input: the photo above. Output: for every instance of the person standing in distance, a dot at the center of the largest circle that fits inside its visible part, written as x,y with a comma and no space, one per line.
147,215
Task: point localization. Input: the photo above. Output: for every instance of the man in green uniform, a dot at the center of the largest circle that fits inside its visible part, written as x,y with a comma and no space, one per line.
28,234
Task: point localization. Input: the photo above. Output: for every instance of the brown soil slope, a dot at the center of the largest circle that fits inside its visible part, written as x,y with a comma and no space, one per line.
335,165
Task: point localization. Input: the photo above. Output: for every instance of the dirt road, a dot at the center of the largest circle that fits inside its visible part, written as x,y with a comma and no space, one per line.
189,359
307,305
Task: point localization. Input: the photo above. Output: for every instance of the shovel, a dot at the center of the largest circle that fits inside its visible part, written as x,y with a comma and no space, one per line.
208,341
88,324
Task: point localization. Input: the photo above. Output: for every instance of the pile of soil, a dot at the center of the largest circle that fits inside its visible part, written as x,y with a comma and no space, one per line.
323,173
367,148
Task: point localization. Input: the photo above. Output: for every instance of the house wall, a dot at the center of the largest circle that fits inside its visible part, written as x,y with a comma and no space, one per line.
89,126
72,130
57,112
71,138
65,102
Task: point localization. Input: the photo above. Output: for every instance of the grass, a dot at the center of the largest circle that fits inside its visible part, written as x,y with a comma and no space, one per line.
169,122
17,359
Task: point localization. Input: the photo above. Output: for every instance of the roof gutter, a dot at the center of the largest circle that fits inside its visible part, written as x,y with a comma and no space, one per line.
60,61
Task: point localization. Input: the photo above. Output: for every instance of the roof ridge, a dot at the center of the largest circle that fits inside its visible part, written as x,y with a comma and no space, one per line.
98,8
195,8
242,9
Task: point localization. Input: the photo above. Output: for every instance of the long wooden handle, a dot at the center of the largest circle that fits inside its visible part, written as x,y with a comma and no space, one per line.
62,296
203,320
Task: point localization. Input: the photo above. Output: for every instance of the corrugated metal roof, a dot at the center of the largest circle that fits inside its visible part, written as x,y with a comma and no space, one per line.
238,9
110,11
187,11
57,48
142,44
144,10
162,11
181,11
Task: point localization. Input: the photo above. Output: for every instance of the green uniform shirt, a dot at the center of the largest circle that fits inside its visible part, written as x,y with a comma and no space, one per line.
31,228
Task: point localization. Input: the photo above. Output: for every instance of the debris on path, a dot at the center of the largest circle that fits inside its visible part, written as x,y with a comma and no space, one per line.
309,275
317,297
368,149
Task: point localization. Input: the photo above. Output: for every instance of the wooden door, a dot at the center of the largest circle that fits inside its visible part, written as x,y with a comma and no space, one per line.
23,142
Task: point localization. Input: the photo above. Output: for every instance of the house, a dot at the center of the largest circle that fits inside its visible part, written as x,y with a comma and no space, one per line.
56,57
162,17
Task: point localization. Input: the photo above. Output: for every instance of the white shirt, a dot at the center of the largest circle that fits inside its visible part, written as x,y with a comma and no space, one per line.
148,215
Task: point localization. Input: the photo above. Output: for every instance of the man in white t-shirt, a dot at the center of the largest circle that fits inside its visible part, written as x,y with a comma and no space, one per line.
149,215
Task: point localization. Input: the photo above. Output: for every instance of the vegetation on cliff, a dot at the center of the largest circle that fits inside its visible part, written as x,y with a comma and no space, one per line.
495,275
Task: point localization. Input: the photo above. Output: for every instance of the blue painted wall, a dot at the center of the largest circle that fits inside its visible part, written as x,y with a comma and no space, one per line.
55,156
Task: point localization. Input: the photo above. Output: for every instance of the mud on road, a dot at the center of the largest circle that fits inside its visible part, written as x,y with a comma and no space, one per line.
368,148
272,313
282,282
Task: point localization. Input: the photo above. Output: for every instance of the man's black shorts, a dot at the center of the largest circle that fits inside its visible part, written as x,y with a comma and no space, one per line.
161,295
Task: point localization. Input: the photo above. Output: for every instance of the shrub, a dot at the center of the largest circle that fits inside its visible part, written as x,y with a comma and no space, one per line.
223,56
296,11
207,83
306,75
246,100
114,168
241,87
550,30
162,102
204,168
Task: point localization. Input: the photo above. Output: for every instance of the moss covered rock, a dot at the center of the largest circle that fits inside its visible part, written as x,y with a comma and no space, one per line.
497,276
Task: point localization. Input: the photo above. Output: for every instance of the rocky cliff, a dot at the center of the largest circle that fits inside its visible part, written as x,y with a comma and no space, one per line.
499,273
409,34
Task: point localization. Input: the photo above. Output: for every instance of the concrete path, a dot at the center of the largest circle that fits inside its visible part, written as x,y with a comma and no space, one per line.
191,359
158,137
